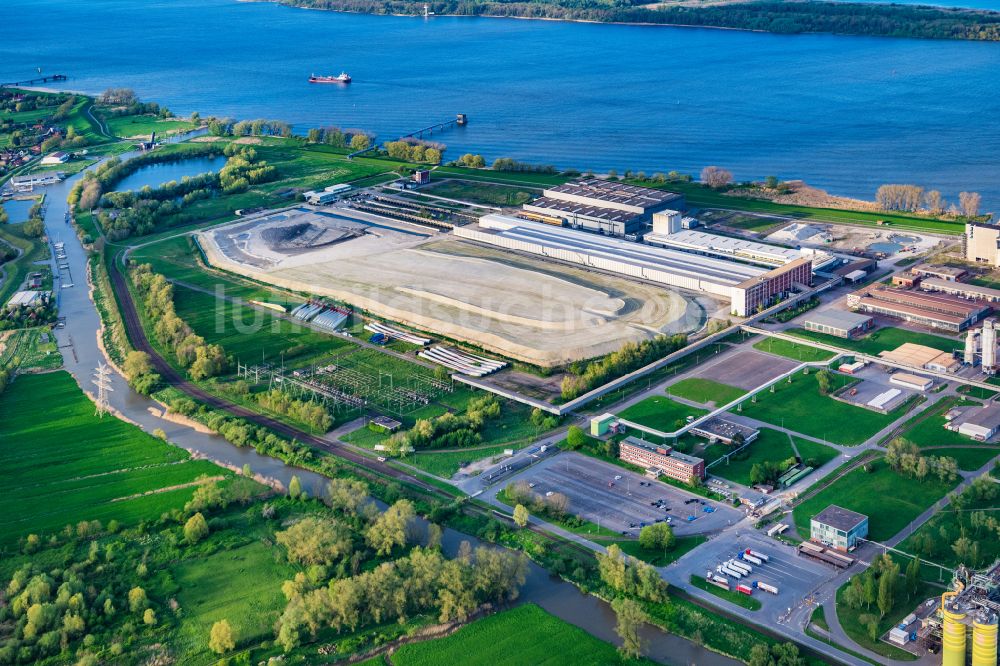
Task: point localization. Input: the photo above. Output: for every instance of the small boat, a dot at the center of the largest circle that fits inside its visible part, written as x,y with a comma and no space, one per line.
343,78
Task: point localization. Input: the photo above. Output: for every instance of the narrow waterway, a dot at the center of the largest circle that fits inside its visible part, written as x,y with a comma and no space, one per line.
78,342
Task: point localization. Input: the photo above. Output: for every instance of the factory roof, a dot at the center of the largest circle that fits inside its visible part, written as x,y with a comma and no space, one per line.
986,417
547,204
699,240
934,284
927,304
840,518
837,319
928,269
604,248
918,356
613,191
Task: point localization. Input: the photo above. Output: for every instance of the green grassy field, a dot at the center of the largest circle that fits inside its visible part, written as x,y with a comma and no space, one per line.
792,350
772,446
700,196
889,500
74,466
242,585
481,193
657,557
704,391
447,464
25,349
732,596
799,406
661,413
141,126
523,635
881,340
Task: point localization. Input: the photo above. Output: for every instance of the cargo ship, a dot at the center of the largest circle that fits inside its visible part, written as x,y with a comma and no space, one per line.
343,78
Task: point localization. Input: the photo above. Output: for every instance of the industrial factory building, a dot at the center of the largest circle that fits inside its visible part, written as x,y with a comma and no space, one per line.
949,273
747,287
970,608
604,206
921,356
661,459
668,233
838,527
982,243
971,292
839,323
926,309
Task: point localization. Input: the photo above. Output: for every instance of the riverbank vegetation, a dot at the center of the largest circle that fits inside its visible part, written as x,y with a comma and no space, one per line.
769,16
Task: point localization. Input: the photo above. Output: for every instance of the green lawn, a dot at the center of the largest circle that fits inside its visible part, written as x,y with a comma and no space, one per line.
73,466
792,350
775,447
889,500
523,635
881,340
661,413
657,557
732,596
800,406
142,126
447,464
242,585
704,391
481,193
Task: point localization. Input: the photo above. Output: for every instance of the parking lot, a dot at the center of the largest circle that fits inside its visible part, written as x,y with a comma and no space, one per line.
746,369
795,577
626,503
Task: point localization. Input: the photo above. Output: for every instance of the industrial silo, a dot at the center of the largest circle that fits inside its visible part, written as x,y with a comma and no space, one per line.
984,639
952,633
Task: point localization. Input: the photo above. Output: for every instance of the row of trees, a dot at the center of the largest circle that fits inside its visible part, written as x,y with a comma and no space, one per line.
259,127
355,139
412,150
510,164
423,581
905,457
555,505
448,430
632,356
913,198
202,360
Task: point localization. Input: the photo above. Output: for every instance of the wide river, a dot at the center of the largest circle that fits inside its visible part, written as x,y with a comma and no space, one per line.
844,113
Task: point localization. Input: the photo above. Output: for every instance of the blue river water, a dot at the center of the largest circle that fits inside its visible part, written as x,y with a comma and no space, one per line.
843,113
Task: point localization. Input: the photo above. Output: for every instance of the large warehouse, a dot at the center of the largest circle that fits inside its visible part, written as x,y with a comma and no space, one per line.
948,313
727,247
748,287
608,207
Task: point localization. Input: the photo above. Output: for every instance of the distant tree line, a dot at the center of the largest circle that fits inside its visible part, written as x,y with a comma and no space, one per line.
883,20
259,127
116,102
413,150
355,139
509,164
632,356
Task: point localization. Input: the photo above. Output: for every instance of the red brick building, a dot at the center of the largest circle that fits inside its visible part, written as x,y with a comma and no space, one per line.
661,458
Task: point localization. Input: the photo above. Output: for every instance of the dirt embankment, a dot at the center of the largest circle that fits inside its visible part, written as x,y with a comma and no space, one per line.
802,194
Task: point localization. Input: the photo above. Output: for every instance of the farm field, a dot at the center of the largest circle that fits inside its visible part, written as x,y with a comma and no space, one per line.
792,350
523,635
800,406
890,500
75,466
881,340
704,391
772,446
29,348
661,413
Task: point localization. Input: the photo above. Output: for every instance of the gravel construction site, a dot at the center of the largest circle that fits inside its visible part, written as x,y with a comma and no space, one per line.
529,309
628,502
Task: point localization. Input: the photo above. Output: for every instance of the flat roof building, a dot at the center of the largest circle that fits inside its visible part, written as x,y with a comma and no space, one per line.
838,527
605,206
725,431
661,458
934,310
747,287
968,291
839,323
950,273
909,381
922,356
28,299
740,249
980,423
